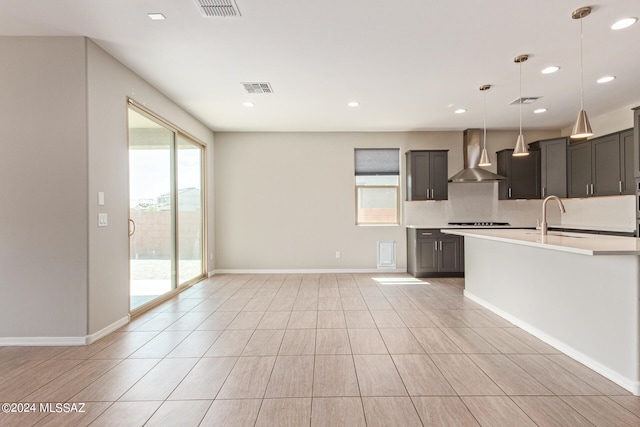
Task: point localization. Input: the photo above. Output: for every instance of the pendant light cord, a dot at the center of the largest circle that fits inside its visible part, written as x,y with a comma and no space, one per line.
581,71
484,118
520,98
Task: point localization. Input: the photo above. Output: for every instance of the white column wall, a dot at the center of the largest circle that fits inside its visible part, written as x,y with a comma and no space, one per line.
43,188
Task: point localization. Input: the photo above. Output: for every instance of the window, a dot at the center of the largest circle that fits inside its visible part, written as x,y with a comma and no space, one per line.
377,185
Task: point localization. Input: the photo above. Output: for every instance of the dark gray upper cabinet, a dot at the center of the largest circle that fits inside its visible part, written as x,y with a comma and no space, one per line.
628,171
606,160
636,142
601,166
427,175
579,169
553,166
523,175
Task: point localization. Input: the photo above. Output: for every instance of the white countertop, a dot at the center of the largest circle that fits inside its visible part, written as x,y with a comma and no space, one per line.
579,243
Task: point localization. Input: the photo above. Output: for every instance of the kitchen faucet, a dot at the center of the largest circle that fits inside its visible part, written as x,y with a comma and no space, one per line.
543,226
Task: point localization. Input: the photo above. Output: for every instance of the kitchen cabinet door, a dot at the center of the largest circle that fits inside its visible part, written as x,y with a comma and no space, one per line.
449,259
553,167
606,160
418,171
523,175
427,175
636,142
438,175
627,142
427,251
579,169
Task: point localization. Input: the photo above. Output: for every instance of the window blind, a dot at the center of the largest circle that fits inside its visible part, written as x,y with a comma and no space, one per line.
377,161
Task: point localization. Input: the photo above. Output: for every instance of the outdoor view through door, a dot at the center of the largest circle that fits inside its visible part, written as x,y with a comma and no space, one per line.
165,208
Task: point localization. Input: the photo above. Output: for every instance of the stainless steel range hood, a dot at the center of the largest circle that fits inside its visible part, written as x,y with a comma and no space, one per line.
471,152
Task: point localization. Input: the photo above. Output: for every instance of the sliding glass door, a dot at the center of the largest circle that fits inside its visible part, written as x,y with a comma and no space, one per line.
190,210
166,231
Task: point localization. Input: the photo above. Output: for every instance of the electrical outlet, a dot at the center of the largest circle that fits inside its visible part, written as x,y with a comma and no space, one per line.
102,220
338,254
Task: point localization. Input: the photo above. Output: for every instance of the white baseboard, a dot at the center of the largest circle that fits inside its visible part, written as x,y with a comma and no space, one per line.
106,331
62,341
41,341
624,382
310,271
211,273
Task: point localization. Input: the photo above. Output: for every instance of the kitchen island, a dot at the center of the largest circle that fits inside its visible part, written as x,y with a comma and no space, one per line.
577,292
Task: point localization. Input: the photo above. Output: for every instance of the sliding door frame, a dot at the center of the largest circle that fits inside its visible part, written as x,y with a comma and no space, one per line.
178,132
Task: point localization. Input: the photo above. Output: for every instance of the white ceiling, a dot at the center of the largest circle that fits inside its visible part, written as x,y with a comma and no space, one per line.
410,63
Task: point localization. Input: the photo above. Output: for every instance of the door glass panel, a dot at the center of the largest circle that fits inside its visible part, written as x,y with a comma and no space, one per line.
152,269
190,219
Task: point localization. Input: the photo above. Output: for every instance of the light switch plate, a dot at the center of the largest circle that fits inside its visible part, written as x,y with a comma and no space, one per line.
100,198
102,220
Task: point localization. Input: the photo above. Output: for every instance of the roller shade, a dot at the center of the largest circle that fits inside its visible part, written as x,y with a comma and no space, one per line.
377,161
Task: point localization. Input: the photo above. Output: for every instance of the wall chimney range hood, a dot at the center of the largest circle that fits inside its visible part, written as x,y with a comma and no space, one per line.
471,153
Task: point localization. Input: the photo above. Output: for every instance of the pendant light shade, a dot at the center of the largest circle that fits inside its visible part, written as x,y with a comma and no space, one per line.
521,147
582,128
484,157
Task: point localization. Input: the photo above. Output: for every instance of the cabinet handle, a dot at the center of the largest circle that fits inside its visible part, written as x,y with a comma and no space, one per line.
435,246
509,192
440,245
427,196
544,192
426,234
587,189
620,185
592,189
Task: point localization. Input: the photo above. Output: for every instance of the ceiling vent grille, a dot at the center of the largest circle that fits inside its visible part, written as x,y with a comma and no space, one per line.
258,87
525,100
222,8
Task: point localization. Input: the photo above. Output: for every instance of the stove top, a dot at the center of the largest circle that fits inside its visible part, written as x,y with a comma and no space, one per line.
481,224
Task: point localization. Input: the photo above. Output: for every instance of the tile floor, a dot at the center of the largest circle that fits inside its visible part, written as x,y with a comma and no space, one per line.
314,350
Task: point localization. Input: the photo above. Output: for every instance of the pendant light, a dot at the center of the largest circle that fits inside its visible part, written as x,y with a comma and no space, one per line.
521,147
484,157
582,128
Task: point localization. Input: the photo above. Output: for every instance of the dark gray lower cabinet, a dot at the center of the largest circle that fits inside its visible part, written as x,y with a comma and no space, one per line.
431,253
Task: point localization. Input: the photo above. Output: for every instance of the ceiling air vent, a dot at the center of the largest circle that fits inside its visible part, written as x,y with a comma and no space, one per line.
222,8
525,100
258,87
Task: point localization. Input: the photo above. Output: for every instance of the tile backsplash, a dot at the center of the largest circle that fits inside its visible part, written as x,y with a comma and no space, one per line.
479,202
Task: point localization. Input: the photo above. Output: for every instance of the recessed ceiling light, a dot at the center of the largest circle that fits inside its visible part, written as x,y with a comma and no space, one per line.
353,104
606,79
156,16
550,70
248,104
624,23
540,110
460,111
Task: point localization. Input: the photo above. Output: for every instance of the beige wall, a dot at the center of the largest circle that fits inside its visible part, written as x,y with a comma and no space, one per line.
43,187
286,201
109,85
